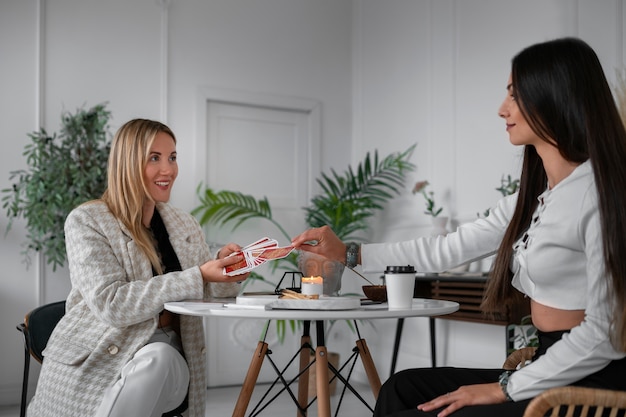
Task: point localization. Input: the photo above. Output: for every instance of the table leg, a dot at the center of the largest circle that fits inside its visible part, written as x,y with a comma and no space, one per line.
305,358
396,346
433,342
251,377
323,391
370,368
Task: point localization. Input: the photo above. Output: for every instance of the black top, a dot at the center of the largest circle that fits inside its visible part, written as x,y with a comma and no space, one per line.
169,260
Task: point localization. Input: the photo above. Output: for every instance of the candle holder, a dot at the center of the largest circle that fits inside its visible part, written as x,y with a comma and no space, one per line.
312,285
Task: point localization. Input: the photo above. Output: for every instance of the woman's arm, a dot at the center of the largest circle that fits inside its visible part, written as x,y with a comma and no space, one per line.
469,242
113,276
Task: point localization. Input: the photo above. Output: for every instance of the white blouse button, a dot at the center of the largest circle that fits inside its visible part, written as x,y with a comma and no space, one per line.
113,350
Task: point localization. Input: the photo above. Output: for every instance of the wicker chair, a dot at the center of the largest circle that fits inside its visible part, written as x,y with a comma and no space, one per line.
569,401
577,401
518,358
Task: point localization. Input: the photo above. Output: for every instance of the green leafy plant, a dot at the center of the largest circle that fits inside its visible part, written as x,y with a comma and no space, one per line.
508,186
64,170
522,335
346,203
431,208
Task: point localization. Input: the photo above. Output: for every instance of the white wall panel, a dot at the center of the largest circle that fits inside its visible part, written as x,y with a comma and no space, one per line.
18,114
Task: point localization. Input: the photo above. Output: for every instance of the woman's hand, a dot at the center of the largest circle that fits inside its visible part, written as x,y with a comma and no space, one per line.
227,250
479,394
213,271
322,241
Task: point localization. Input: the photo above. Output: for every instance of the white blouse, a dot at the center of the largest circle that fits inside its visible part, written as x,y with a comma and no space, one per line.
558,262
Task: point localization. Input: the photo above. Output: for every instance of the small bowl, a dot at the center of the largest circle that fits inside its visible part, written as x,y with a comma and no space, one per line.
375,292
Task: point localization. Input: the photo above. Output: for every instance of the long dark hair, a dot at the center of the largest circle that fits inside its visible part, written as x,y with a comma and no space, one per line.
563,93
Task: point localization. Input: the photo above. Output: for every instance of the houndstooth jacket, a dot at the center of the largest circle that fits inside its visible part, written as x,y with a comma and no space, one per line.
112,310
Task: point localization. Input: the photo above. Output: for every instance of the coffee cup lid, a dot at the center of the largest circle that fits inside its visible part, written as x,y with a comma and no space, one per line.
403,269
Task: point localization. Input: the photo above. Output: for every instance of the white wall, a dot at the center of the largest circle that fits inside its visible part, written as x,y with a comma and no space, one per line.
388,74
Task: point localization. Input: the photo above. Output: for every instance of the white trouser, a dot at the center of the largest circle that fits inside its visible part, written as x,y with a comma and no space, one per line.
153,382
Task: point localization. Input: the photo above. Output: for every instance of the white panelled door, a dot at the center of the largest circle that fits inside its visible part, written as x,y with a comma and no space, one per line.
262,147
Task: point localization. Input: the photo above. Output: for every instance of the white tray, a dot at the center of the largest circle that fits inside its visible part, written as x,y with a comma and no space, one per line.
255,300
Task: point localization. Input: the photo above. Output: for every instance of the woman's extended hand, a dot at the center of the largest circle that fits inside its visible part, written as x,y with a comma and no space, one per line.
323,241
479,394
213,271
227,250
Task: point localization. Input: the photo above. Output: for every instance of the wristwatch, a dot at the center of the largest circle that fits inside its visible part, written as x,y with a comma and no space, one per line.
503,380
352,254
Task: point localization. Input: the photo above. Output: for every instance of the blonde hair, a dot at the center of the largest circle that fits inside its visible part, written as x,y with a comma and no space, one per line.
126,190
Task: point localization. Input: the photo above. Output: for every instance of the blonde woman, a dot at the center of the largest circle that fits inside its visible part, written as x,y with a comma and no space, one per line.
117,352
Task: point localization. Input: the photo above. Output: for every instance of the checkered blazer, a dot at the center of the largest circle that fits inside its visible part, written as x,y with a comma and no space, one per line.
113,306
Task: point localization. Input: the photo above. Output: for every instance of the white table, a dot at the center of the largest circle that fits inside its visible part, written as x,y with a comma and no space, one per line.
421,308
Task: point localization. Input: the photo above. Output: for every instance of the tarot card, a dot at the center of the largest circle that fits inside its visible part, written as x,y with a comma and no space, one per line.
256,254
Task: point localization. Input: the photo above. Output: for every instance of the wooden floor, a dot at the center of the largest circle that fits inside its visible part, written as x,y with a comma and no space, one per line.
221,401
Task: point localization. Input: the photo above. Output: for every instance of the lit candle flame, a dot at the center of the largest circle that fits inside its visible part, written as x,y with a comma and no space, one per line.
312,280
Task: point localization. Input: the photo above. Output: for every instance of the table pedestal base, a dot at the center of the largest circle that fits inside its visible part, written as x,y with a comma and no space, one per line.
322,376
250,381
321,382
303,382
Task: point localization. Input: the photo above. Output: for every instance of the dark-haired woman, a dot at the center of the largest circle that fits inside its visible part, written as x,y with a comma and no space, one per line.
560,241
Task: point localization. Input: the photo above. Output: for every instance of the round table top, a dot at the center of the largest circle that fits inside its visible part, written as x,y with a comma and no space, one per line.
421,308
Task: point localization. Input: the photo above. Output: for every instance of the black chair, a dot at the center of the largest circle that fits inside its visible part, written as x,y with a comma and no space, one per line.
36,329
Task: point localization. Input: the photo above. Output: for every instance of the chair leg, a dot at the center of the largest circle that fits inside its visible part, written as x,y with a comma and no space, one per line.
25,383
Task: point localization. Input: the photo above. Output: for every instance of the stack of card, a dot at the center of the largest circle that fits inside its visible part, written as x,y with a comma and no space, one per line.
256,254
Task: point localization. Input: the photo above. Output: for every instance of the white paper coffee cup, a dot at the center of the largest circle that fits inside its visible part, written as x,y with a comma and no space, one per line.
400,282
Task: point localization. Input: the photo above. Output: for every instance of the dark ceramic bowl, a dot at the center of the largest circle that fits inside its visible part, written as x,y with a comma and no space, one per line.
375,292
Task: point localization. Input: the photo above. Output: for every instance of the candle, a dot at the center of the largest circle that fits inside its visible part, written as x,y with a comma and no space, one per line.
312,285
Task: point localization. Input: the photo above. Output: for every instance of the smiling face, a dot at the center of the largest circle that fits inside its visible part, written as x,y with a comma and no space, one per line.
520,132
161,169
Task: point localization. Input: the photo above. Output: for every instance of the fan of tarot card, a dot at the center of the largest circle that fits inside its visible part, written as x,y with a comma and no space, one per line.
256,254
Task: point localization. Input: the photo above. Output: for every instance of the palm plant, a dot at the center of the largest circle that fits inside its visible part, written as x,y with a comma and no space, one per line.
346,203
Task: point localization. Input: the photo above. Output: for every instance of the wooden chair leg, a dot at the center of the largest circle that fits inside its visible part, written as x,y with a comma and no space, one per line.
303,381
321,382
370,368
251,377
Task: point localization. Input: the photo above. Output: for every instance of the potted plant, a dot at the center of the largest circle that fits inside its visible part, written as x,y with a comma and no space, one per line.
64,170
508,186
439,223
346,203
521,335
